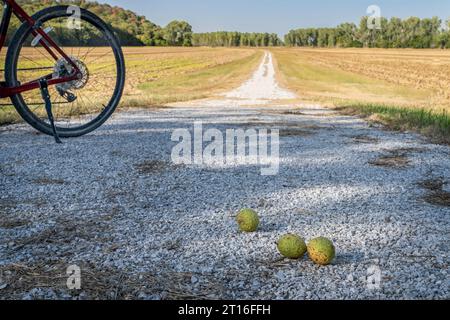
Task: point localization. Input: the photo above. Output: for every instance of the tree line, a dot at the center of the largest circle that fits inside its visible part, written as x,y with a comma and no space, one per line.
393,33
135,30
236,39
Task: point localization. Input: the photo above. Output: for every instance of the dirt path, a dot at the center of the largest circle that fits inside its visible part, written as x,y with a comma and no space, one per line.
262,86
139,226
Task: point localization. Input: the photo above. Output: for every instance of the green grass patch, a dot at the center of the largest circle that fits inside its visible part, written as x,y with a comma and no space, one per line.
431,123
199,84
9,115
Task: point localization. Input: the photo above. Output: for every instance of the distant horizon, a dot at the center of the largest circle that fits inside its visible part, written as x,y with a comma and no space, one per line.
275,16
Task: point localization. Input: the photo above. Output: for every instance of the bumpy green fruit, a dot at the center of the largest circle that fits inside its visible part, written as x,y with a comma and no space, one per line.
321,251
292,246
248,220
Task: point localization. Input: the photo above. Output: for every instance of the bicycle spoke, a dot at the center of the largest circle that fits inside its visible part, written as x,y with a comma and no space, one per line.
87,53
104,67
29,59
42,54
98,58
35,69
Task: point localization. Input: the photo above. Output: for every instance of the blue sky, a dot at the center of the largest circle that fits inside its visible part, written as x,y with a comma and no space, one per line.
277,16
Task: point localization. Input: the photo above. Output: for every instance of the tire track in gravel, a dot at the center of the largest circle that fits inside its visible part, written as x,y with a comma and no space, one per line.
115,201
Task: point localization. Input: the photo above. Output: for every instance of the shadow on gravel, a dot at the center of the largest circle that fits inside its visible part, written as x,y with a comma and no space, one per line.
270,227
48,181
350,257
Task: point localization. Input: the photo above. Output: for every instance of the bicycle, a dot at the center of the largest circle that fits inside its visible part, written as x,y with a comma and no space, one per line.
64,69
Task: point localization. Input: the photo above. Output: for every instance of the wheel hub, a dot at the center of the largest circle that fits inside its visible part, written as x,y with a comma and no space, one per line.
64,69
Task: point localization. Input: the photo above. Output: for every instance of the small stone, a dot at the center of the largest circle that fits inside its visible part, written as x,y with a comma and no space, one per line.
142,296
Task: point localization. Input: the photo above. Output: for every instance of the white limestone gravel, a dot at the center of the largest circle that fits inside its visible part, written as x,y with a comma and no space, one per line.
114,200
262,85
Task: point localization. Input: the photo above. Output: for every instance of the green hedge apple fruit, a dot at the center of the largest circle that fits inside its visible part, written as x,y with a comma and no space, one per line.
292,246
321,251
248,220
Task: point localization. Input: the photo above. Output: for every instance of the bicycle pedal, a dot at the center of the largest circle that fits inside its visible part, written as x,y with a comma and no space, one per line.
69,96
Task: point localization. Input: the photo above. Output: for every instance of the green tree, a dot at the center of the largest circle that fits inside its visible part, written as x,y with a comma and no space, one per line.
235,39
131,28
394,33
178,33
347,36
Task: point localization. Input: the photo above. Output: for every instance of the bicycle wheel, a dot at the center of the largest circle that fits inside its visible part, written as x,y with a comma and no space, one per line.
79,106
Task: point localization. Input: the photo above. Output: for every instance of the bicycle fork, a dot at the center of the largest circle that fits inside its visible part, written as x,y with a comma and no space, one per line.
43,84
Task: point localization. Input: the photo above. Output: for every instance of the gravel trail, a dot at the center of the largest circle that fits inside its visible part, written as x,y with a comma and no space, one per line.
141,227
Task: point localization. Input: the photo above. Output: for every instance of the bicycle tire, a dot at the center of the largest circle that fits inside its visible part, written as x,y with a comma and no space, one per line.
11,73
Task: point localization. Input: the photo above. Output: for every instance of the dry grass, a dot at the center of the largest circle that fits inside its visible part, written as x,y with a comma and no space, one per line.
440,198
255,122
292,113
402,89
396,158
286,129
152,166
97,280
400,77
364,139
48,181
67,231
393,159
432,184
103,283
12,223
292,132
436,194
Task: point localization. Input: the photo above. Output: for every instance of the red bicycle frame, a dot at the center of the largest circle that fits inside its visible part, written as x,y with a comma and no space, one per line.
11,7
